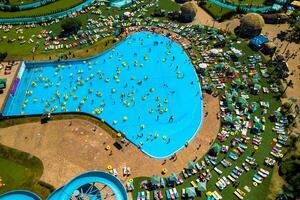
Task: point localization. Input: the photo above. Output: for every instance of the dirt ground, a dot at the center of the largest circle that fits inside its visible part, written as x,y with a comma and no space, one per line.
10,78
67,151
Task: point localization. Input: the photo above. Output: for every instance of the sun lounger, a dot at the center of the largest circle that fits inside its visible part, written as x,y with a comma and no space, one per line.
168,194
241,192
143,196
193,184
256,180
238,195
160,194
261,174
115,172
264,171
183,193
184,174
231,178
247,188
216,195
147,195
172,194
175,193
218,170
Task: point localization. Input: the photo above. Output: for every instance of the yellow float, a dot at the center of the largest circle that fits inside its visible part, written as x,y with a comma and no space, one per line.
107,148
164,171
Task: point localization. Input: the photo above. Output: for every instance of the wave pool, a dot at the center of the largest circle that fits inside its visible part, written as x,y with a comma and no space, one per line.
145,87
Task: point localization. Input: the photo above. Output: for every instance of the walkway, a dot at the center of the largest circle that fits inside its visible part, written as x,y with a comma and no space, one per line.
67,151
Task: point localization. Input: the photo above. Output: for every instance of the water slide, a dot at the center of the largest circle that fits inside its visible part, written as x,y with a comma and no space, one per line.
19,195
66,191
104,178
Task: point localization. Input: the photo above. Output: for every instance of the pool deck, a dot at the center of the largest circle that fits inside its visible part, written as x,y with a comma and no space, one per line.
10,78
67,151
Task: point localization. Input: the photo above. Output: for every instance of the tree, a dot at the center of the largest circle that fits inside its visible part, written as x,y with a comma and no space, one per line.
188,12
3,55
251,25
71,25
295,25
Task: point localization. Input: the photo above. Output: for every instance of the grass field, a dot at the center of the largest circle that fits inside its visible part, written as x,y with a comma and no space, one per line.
58,6
20,2
217,12
20,170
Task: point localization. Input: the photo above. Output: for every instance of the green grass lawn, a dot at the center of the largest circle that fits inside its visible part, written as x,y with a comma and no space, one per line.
58,6
20,170
248,2
20,2
216,11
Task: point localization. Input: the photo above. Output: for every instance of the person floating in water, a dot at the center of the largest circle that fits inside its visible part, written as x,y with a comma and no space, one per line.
169,140
157,117
171,119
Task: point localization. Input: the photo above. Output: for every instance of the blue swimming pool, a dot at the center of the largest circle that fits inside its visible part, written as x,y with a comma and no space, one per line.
145,87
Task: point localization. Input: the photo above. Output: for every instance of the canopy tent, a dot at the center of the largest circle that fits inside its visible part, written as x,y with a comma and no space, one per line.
191,165
201,186
191,192
258,41
155,180
174,176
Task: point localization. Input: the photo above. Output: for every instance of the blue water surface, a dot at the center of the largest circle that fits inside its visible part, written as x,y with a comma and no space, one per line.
145,87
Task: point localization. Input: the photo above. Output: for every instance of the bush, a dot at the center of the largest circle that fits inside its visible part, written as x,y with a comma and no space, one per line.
3,55
71,25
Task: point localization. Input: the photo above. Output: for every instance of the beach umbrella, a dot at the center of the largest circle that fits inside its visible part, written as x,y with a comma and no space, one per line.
155,180
235,93
191,192
174,175
230,106
216,148
237,81
254,106
257,86
258,126
277,114
236,120
191,165
202,186
231,70
242,101
228,118
254,80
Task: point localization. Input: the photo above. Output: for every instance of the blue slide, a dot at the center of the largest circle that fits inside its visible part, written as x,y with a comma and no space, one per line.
65,192
19,195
